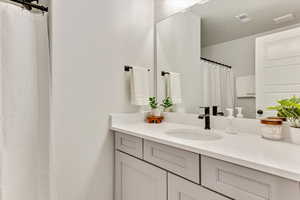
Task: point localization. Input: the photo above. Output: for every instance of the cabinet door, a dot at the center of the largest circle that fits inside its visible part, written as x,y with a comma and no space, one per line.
180,189
137,180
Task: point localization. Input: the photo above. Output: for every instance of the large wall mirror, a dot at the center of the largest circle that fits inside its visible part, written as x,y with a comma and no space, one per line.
230,54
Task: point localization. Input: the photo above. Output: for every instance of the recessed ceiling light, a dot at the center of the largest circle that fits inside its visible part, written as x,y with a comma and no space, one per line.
244,18
283,19
201,2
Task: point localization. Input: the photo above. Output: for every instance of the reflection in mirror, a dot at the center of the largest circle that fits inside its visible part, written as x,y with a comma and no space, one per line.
230,54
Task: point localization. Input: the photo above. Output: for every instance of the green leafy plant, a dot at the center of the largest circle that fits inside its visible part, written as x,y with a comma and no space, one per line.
153,102
289,108
167,103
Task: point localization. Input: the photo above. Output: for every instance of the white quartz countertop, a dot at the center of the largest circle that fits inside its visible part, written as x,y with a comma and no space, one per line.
249,150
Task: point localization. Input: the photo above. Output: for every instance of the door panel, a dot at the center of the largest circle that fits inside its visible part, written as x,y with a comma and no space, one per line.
277,68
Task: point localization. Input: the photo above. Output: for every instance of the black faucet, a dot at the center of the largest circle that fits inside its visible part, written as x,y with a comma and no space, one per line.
206,116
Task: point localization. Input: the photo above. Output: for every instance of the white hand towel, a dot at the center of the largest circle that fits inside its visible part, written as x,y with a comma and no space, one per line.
140,87
174,87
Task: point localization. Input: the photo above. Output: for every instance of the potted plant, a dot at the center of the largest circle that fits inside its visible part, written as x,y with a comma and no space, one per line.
290,108
167,104
155,110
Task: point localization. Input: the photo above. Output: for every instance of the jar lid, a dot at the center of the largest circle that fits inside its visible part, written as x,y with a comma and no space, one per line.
271,121
280,118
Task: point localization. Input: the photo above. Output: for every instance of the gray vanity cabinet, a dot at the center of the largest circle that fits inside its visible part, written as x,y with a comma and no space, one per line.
181,189
137,180
147,170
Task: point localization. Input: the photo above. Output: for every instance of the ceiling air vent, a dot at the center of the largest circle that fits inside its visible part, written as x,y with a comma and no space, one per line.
243,18
283,19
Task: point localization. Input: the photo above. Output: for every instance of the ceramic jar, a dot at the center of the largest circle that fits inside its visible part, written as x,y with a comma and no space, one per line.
271,129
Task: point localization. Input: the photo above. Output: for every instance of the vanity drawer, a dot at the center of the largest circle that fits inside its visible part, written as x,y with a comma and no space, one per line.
242,183
129,144
183,163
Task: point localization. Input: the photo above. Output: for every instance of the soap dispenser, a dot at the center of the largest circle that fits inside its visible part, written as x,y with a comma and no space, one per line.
239,114
230,128
230,113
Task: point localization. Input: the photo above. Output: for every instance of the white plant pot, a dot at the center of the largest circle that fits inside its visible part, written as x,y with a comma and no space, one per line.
294,123
156,112
295,135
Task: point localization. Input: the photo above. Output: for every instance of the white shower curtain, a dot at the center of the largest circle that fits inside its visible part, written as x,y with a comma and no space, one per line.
24,65
218,86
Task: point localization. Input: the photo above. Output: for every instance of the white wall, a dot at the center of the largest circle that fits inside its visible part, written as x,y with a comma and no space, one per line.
178,50
91,42
240,54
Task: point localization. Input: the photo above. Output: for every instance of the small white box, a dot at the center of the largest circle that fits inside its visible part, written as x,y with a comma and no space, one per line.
245,86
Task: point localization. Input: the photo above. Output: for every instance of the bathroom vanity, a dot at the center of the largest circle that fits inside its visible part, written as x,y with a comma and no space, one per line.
171,161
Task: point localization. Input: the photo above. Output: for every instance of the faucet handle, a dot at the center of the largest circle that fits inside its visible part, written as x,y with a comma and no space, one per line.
206,109
201,116
215,110
220,114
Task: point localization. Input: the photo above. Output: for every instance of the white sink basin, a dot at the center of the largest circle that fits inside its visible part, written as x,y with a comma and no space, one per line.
194,134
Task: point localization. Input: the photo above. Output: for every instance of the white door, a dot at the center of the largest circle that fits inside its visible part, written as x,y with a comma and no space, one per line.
137,180
181,189
277,68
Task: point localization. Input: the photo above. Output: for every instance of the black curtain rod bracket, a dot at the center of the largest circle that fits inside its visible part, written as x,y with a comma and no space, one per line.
127,68
163,73
218,63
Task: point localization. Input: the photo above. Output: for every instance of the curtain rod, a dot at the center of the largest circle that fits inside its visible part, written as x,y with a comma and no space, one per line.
31,5
205,59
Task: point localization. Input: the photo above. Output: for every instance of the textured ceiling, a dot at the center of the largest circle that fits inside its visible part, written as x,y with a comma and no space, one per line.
219,23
